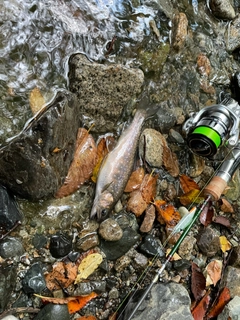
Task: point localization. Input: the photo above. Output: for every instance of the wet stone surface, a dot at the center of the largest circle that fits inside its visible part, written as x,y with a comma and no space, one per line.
11,247
110,230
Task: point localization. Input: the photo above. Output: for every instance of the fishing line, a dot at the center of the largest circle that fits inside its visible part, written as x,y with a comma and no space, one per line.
152,262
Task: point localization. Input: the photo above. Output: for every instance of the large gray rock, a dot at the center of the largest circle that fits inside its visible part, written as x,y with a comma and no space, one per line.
231,310
103,90
167,301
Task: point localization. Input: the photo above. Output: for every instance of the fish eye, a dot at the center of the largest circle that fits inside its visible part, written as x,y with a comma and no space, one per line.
104,212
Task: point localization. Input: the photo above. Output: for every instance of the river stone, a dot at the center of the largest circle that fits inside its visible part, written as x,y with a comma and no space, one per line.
53,312
222,9
11,247
110,230
10,318
103,90
7,282
231,310
29,164
231,280
208,242
34,281
167,301
179,30
233,35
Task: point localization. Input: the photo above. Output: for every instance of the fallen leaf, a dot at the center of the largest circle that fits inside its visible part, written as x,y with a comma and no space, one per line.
224,244
167,213
213,272
88,265
170,160
82,166
190,197
55,300
36,100
207,215
199,311
136,203
223,298
90,317
148,220
135,180
222,220
62,275
225,206
80,302
198,282
148,187
175,257
187,183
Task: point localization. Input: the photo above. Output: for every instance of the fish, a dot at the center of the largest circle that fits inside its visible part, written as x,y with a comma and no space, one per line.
118,164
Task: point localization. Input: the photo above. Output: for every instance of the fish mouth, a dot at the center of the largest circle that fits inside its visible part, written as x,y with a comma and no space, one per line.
99,214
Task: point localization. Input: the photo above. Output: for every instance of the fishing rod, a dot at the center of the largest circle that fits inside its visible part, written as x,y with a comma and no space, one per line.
206,132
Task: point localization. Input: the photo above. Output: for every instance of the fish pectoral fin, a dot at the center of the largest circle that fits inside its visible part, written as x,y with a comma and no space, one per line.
106,186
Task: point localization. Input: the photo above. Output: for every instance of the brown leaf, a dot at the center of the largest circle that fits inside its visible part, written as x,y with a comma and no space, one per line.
207,215
199,311
62,275
167,213
90,317
148,187
223,298
213,272
225,206
222,220
136,203
82,166
188,184
198,282
55,300
170,161
148,220
135,180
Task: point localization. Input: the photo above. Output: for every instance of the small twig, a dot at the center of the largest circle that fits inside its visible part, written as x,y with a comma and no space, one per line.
17,223
19,310
110,46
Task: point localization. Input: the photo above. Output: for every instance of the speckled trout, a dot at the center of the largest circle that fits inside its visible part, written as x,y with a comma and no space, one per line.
118,165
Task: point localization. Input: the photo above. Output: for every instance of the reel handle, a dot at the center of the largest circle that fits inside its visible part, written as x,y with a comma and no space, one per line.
215,188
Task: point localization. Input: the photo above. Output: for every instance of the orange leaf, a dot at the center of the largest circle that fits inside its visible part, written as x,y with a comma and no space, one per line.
81,168
80,302
90,317
220,303
188,184
225,206
135,180
199,311
167,212
136,203
148,187
190,197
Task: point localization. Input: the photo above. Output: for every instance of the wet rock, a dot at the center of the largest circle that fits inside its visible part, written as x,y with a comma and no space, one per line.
103,90
231,280
231,310
151,247
34,281
9,212
208,242
165,118
29,166
140,261
197,165
179,30
53,312
113,293
176,137
181,264
233,35
121,263
7,282
60,245
203,65
110,230
222,9
39,241
234,259
148,220
127,220
85,288
167,301
186,247
115,249
88,241
11,247
10,318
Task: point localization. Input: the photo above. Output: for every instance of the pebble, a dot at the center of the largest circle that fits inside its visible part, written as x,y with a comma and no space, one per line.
233,35
148,220
150,246
89,241
181,264
10,318
85,288
60,245
39,241
176,137
34,281
11,247
186,247
140,261
222,9
53,312
231,280
179,30
113,293
166,301
122,263
231,310
208,242
110,230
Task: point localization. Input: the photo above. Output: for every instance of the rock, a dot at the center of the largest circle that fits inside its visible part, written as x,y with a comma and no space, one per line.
89,241
9,212
39,241
203,65
113,293
140,261
85,288
53,312
34,281
231,310
115,249
167,301
148,220
150,246
121,263
8,277
103,90
231,280
110,230
10,317
176,137
29,166
60,245
233,35
222,9
186,247
11,247
181,264
234,259
179,31
208,242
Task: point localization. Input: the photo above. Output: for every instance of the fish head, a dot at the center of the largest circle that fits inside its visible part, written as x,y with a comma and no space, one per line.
102,206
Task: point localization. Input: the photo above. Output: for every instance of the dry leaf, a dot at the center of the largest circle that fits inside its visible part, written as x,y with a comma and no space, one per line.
213,272
62,275
136,203
188,184
225,206
198,282
148,187
223,298
88,265
135,180
167,213
55,300
80,302
190,197
90,317
36,100
175,257
199,311
207,215
224,244
148,220
82,166
170,160
222,220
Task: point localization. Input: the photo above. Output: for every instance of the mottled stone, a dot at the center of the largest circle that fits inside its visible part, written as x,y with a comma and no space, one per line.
85,288
89,241
110,230
151,246
7,283
11,247
122,263
140,261
231,310
208,242
233,35
34,281
179,30
186,247
231,280
222,9
203,65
